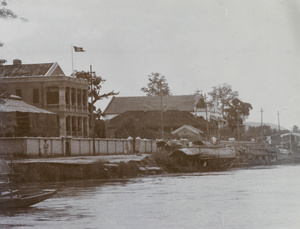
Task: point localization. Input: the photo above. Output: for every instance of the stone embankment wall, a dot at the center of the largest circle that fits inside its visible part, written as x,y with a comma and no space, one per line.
44,171
44,147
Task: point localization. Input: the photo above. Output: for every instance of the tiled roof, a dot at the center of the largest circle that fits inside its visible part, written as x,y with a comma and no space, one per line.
15,104
30,70
119,105
171,118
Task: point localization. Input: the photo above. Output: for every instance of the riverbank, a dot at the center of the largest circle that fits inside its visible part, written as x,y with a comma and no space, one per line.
85,167
129,165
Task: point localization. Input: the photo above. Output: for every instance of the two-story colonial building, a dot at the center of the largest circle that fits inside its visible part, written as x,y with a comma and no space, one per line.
47,87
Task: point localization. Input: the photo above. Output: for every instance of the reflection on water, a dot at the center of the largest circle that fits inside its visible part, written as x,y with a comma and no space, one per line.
261,197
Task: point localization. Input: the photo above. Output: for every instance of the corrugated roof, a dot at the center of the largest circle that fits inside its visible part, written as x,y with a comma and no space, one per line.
17,105
44,69
119,105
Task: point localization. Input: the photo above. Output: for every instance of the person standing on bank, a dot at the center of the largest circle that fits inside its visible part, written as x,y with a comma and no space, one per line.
46,146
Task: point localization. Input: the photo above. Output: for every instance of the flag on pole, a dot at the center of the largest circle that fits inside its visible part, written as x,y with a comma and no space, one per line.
78,49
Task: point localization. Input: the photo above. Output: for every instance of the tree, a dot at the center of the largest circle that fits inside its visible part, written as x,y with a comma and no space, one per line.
295,129
132,127
2,61
225,133
129,128
6,13
95,85
223,94
236,113
200,100
157,85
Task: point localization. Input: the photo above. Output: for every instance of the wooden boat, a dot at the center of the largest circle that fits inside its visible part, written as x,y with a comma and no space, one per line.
11,197
204,158
23,201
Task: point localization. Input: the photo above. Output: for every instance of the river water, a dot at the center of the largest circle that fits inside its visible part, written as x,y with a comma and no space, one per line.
258,197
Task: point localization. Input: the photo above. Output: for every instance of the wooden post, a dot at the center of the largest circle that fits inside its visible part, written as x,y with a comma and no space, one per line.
93,121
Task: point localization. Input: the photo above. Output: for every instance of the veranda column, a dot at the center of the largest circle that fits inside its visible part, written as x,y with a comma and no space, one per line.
63,126
62,97
71,125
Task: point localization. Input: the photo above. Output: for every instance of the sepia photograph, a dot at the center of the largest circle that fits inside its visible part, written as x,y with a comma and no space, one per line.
153,114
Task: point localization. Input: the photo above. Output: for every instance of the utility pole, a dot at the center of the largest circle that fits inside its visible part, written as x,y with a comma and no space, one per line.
278,121
206,117
238,125
92,107
261,125
161,115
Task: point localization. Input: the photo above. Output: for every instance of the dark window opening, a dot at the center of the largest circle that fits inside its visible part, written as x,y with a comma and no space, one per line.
73,96
36,97
52,95
78,98
67,96
74,126
79,121
68,122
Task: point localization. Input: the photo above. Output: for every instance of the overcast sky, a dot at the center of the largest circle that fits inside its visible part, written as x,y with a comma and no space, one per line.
252,45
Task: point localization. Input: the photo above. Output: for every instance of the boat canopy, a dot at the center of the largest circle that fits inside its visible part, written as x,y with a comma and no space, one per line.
185,151
287,134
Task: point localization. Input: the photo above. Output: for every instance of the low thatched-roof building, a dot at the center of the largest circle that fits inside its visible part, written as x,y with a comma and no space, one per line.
19,119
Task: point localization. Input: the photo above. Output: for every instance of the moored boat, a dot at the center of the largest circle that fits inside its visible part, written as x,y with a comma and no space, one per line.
11,197
23,201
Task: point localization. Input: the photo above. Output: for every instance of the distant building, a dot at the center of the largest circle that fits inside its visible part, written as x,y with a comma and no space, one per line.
172,120
188,103
189,132
47,87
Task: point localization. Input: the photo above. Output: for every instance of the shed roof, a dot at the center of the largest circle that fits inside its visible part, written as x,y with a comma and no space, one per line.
44,69
16,104
119,105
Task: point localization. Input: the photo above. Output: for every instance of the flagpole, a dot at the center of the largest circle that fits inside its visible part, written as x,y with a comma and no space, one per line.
72,59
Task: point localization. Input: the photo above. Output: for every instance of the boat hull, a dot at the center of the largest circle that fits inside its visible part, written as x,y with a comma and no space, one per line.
26,200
